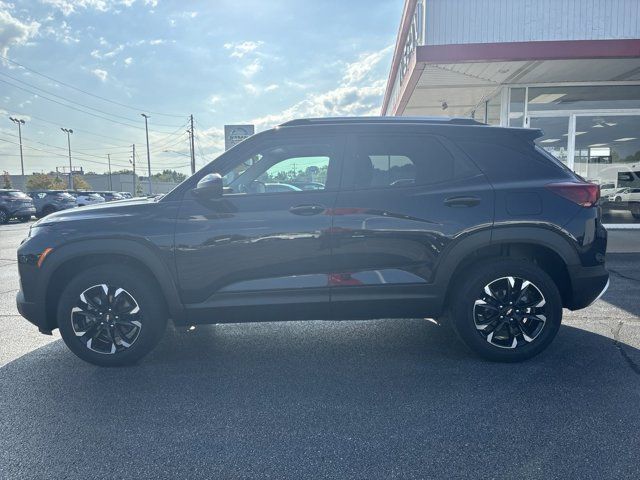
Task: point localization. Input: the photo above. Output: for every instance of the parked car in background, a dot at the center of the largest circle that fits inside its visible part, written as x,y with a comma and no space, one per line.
607,189
15,204
278,187
125,194
626,195
111,196
440,218
87,198
308,185
50,201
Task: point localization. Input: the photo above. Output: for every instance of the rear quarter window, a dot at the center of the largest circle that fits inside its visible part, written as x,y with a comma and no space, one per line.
509,160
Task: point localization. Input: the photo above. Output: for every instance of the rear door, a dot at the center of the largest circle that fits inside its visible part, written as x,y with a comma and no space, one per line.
404,199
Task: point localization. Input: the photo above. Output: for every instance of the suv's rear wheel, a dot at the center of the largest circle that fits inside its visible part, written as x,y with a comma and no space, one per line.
111,315
4,216
506,310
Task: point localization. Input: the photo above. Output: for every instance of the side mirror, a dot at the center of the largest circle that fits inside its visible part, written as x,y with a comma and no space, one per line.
209,186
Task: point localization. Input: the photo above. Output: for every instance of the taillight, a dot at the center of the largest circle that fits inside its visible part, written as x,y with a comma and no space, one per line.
583,194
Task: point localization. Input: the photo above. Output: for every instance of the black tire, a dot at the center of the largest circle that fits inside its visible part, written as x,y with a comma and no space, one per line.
474,323
4,216
152,316
24,218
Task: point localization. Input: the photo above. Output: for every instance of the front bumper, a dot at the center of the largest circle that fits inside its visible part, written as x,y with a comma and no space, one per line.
587,285
33,312
23,212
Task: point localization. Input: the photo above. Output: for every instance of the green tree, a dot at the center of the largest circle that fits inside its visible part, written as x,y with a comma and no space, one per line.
39,181
169,176
59,183
6,180
79,183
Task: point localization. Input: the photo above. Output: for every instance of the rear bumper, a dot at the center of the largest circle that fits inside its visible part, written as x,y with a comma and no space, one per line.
587,285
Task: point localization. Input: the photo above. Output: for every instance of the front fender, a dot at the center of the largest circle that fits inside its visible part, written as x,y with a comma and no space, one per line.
140,250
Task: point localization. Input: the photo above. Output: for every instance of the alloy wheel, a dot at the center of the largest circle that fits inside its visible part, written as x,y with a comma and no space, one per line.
510,313
107,319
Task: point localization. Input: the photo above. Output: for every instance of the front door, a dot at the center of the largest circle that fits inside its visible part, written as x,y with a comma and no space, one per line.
265,242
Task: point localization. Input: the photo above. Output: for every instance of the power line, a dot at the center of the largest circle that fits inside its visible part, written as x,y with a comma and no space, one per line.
89,132
39,95
71,101
131,107
70,106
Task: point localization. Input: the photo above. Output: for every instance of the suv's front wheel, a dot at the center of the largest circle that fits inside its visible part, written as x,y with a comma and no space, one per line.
111,315
506,310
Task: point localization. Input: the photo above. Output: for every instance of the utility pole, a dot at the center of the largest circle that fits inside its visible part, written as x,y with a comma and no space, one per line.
146,127
193,152
133,162
68,131
20,122
109,162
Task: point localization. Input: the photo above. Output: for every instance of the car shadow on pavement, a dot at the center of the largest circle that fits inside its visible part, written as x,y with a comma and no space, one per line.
625,280
366,399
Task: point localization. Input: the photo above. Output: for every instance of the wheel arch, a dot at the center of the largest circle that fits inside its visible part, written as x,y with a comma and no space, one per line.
65,262
550,249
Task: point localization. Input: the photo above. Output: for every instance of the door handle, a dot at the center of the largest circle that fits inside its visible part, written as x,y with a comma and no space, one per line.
307,210
462,201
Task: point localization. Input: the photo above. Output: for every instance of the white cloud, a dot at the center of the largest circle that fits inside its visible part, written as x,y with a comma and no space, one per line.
271,88
214,99
67,7
252,89
114,52
157,41
359,69
128,61
62,33
101,74
252,68
239,50
359,93
14,32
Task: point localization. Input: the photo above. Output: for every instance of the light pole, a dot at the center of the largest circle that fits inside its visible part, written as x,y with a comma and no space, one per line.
20,122
109,162
68,131
146,127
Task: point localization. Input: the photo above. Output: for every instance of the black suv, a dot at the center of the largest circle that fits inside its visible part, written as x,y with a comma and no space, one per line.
442,218
14,203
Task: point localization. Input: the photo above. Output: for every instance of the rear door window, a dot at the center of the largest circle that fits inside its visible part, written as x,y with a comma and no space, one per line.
396,161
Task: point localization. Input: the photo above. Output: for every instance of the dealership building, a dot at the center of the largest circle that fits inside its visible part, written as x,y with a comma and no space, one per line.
568,67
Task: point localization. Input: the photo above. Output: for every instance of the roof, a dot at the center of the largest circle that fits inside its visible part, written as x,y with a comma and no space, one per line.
391,120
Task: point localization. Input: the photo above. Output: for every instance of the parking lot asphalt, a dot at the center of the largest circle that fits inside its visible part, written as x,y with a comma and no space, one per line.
365,399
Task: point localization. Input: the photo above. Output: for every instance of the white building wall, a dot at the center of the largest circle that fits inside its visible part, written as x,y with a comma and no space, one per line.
497,21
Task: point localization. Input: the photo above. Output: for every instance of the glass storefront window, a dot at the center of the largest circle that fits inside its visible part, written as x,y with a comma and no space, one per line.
556,135
607,152
583,97
516,107
493,110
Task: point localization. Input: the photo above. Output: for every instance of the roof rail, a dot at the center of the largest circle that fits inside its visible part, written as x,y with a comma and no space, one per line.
343,120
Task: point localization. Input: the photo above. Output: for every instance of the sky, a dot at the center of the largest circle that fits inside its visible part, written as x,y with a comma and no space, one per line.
94,66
